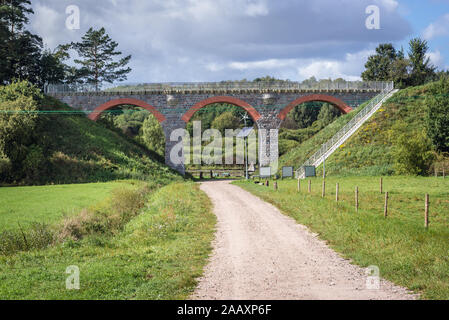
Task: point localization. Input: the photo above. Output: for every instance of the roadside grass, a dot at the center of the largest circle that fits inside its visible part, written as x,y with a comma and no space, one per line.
406,253
49,204
159,255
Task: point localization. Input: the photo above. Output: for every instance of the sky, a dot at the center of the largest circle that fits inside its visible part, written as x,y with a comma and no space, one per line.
215,40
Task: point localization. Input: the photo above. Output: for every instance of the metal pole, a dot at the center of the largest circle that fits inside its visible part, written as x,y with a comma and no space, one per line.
324,167
246,144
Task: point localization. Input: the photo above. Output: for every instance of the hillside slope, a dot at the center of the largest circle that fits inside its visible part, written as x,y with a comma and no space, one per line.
302,143
66,147
370,150
85,151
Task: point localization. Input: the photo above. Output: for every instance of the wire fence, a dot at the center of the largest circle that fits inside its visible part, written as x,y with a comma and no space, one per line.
337,138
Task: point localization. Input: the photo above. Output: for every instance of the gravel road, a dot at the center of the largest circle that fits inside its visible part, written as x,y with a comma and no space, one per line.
259,253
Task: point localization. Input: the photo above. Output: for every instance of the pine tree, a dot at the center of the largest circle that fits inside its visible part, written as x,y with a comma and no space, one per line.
378,65
20,50
421,67
96,56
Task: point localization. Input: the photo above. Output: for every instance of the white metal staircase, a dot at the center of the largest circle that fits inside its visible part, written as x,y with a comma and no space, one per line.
348,130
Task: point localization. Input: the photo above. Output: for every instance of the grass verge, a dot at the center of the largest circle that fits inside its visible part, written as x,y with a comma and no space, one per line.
406,253
48,204
157,255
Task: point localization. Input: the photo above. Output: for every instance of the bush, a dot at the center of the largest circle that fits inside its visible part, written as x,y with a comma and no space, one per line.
18,106
39,236
412,154
153,135
105,219
34,164
5,168
437,119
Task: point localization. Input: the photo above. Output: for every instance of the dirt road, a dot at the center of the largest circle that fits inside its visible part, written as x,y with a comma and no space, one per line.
259,253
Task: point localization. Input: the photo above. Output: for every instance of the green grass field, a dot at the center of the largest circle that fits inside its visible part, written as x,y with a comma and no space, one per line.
158,255
48,204
399,245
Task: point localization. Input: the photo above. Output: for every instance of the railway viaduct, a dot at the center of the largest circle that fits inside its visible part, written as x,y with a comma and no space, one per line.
174,104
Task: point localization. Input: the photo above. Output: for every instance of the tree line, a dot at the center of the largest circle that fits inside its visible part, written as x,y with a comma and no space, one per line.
390,64
24,57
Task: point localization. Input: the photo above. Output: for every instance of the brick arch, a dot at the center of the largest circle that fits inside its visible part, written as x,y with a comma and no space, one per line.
339,104
222,99
94,115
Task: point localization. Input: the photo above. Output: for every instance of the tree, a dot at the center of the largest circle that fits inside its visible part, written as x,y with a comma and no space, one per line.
96,56
399,72
378,65
421,68
52,70
153,135
412,153
226,121
131,121
437,119
18,103
306,114
328,114
20,50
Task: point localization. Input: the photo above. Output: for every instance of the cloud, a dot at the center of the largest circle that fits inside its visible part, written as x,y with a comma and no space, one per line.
211,40
437,29
436,58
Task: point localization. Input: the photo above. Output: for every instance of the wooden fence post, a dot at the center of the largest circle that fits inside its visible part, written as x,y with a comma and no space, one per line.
275,186
323,193
386,205
299,184
381,185
426,212
310,186
267,183
444,173
357,199
336,191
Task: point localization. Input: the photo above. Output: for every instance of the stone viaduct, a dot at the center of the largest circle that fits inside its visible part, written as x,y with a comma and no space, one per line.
173,105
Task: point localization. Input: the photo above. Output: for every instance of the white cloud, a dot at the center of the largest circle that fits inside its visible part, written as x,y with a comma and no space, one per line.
438,28
212,40
47,22
390,5
264,64
257,9
350,68
436,58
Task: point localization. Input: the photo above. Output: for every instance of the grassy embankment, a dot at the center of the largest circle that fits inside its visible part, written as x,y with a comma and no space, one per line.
369,152
399,245
154,250
49,204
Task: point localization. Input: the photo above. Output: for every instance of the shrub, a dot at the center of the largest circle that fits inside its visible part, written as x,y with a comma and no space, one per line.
5,168
437,119
18,106
412,154
39,236
105,219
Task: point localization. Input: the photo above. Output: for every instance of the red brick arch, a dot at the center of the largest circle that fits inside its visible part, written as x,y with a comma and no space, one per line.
222,99
343,107
94,115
